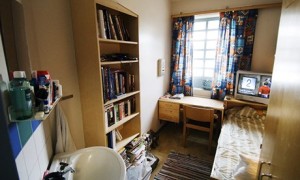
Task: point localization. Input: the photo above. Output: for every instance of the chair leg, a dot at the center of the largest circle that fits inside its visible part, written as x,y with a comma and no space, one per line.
184,135
210,141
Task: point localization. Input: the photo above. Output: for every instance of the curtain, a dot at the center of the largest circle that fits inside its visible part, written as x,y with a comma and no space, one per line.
182,55
234,49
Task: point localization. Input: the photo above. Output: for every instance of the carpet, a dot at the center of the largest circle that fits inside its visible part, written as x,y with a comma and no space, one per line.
183,167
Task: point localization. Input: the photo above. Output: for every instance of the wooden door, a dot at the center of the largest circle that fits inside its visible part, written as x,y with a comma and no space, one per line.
281,144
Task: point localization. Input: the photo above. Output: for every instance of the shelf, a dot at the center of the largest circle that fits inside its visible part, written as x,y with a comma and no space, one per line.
116,41
117,62
125,141
122,121
33,118
124,96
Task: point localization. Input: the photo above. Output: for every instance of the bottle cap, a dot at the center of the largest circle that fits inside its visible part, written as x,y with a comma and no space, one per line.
19,74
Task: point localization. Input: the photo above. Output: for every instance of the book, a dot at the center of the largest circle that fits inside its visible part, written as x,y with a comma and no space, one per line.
106,24
118,135
103,84
111,139
101,25
116,112
109,115
118,28
121,110
112,27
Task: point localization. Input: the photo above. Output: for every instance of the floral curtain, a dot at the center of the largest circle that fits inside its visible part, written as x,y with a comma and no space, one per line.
182,55
234,49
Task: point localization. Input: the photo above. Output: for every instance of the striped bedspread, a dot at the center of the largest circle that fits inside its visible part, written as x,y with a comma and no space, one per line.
241,134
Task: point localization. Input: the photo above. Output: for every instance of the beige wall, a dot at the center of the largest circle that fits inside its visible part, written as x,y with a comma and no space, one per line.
51,47
266,29
155,43
265,39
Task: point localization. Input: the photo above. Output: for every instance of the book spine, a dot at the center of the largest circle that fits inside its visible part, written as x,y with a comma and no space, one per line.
117,84
106,24
111,24
101,24
118,27
103,84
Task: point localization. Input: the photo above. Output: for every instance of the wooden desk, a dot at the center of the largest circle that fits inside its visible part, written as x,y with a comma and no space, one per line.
169,109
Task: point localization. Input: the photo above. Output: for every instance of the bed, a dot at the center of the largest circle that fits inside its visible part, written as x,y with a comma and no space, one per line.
239,143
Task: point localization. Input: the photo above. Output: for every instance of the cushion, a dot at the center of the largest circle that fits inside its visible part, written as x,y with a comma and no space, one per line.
246,169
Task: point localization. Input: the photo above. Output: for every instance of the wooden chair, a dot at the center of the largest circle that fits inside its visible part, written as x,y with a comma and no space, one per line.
197,118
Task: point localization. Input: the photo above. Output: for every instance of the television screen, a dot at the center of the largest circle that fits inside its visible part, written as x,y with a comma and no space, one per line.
253,86
248,83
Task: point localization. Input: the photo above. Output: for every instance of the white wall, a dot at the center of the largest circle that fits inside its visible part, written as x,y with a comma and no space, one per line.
266,28
155,43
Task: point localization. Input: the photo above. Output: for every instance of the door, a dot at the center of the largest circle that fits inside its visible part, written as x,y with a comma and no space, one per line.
281,144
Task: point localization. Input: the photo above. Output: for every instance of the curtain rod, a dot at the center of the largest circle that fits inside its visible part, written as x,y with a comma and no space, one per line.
259,6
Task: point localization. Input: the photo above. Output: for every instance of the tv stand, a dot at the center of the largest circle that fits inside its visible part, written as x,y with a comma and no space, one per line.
230,102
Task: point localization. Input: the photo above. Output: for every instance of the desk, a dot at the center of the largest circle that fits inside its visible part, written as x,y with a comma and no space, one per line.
169,109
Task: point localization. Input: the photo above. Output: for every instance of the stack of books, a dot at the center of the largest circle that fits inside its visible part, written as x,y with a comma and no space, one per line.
111,26
136,151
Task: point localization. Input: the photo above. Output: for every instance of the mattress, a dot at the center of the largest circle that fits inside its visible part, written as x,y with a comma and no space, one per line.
241,133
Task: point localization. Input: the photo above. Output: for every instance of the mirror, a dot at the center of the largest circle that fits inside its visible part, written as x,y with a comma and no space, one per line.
13,32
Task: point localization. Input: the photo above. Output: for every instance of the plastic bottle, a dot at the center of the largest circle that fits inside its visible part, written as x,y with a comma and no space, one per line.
20,96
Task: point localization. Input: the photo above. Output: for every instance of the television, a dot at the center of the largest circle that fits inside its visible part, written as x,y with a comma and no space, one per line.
253,86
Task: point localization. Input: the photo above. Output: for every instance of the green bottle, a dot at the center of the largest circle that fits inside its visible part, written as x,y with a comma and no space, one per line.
20,96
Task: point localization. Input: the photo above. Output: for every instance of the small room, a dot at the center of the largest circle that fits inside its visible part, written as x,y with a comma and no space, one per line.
63,41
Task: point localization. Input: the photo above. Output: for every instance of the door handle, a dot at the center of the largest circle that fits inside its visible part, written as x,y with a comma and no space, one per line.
260,176
265,175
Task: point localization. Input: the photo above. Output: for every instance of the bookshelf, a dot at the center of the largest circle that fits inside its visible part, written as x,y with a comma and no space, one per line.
98,76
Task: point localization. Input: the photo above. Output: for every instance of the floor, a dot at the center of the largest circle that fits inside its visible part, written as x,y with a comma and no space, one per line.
170,139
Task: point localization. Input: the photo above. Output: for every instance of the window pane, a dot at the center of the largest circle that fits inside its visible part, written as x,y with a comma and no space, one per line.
197,72
210,54
198,64
200,35
212,34
199,25
208,72
198,54
198,44
211,44
213,24
210,64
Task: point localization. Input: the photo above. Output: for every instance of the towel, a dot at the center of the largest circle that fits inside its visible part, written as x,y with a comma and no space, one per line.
64,142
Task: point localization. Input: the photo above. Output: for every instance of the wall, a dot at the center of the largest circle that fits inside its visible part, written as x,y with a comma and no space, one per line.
266,29
47,30
155,43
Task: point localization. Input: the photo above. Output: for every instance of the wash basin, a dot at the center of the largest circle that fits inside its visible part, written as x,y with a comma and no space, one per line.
90,163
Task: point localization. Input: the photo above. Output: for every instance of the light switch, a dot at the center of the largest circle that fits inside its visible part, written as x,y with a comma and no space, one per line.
161,67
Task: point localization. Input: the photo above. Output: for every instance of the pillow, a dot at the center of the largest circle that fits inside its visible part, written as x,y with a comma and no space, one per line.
247,112
246,169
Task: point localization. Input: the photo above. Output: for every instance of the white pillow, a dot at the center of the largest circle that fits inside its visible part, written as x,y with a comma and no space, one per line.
246,169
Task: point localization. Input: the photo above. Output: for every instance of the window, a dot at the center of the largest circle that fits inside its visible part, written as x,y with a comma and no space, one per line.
205,37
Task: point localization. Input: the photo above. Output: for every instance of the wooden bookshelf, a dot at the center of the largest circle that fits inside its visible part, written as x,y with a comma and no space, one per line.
89,48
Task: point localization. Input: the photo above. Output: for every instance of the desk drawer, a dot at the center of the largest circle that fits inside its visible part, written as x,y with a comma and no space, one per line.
168,111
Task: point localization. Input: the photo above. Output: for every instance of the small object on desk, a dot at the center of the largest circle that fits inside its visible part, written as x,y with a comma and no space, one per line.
177,96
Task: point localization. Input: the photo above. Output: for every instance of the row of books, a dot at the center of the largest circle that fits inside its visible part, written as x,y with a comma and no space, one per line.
118,111
116,82
112,138
111,26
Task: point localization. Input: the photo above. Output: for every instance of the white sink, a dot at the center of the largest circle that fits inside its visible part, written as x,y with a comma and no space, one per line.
91,163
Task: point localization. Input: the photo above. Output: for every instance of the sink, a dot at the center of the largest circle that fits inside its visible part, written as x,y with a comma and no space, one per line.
91,163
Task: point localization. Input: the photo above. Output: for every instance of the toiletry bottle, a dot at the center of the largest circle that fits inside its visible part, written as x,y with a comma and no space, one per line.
20,96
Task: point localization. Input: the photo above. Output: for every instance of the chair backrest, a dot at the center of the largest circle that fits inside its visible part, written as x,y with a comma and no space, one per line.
198,114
